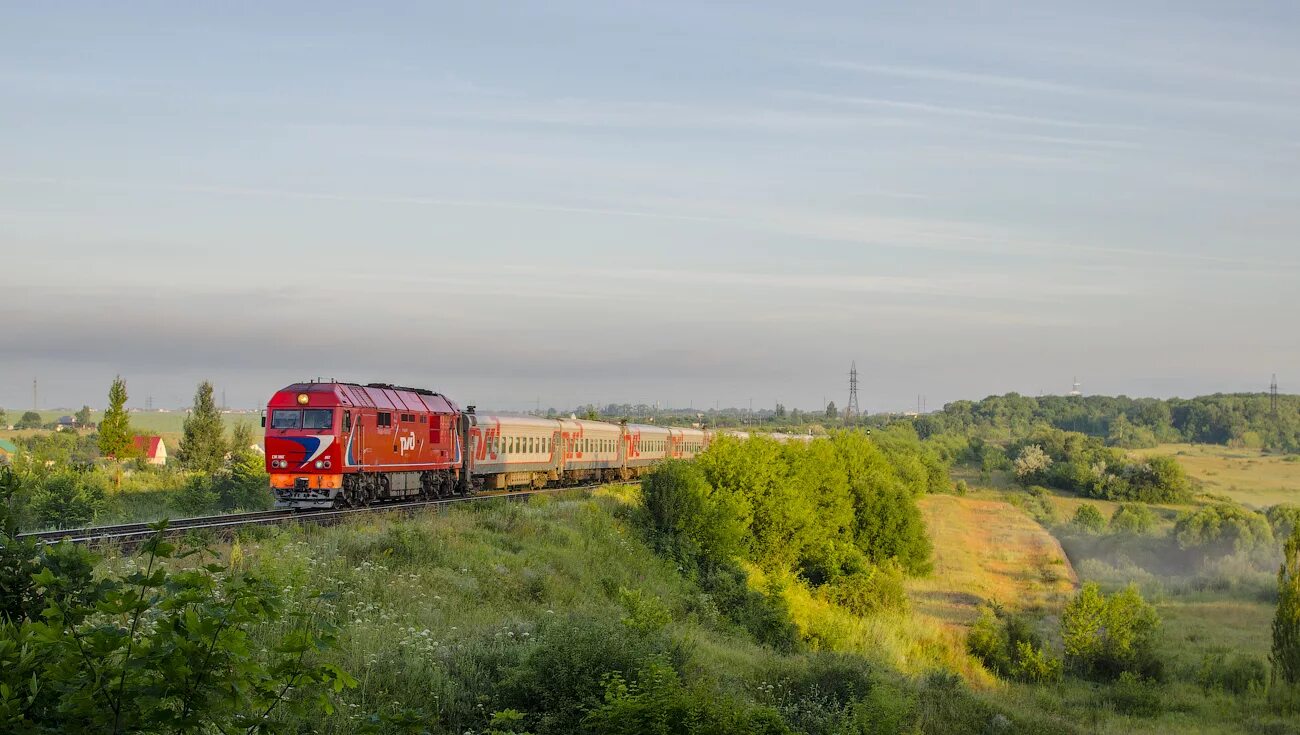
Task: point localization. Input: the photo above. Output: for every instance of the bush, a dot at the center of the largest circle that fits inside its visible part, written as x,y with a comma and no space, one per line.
560,679
1134,695
688,517
1132,519
68,499
1283,519
1222,529
1009,646
1088,519
656,702
197,497
765,617
163,651
1235,673
244,484
1106,636
875,590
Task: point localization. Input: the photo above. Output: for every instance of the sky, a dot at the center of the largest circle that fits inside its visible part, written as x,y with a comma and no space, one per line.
689,203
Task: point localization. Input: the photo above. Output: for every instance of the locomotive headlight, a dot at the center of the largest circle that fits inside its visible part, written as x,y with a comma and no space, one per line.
327,464
302,399
319,464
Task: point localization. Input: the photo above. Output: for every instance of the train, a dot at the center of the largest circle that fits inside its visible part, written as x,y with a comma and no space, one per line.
335,445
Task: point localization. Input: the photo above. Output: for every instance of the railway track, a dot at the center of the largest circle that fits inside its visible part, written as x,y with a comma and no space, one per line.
133,533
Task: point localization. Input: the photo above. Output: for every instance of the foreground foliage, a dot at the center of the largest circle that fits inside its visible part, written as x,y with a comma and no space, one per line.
151,648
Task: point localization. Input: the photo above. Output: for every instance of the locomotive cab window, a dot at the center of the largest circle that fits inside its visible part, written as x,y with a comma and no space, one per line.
286,419
383,419
318,418
347,421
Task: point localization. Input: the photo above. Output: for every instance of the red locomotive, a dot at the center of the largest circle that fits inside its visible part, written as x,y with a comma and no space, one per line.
335,444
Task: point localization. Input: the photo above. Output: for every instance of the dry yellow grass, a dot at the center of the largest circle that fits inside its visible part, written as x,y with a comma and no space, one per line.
988,551
1248,476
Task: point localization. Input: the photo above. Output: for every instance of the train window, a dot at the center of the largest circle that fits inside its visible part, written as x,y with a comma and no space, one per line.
281,419
383,419
347,421
318,418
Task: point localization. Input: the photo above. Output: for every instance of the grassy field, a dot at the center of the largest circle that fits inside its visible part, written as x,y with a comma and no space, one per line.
167,425
1248,476
988,551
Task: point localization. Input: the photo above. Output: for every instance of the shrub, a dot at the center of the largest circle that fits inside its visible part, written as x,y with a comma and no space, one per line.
68,499
1009,646
1132,519
874,590
656,702
197,497
1031,463
765,617
688,517
645,613
1088,519
1105,636
1134,695
560,678
1235,673
244,484
1283,519
1223,528
153,651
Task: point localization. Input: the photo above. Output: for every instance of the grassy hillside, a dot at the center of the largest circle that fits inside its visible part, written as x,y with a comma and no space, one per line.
531,606
988,551
1248,476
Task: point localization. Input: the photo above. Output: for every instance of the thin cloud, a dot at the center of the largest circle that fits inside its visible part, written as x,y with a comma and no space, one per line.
963,112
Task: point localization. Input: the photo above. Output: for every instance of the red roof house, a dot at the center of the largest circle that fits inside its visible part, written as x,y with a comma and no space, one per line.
152,448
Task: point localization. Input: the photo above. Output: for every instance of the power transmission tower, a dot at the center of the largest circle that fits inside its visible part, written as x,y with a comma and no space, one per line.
35,403
851,411
1272,396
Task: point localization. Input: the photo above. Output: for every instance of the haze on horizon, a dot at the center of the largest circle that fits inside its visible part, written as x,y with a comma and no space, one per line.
678,202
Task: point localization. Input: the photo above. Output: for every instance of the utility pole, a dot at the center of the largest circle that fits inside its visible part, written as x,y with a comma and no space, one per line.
1272,396
851,411
35,403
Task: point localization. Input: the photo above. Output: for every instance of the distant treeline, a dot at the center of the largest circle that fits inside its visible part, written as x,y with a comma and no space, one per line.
1235,419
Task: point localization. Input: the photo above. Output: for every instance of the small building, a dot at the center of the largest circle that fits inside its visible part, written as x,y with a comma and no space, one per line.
151,448
7,451
66,422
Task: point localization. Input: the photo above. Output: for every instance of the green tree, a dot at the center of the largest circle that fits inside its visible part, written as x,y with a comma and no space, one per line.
1283,518
203,445
244,484
1222,529
83,416
68,499
1285,656
115,428
1030,464
1132,519
241,438
1088,518
689,517
1106,636
3,416
832,412
29,420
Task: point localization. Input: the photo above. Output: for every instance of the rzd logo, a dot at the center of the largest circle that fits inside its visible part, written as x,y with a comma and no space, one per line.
408,443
